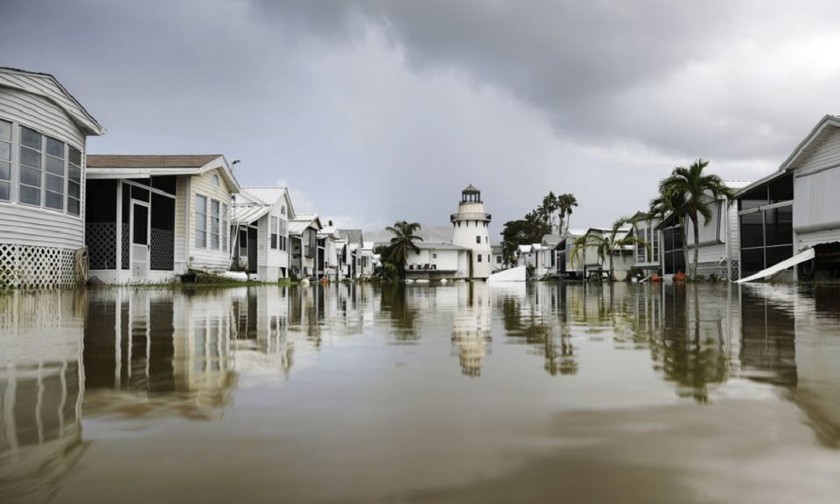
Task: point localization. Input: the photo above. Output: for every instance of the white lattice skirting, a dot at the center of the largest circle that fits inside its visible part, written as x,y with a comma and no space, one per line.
718,269
26,266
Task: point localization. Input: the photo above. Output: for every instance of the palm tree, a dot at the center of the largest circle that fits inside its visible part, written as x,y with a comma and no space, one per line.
402,241
550,204
697,190
606,244
565,203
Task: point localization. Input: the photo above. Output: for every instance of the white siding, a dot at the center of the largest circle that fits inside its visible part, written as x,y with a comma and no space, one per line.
826,155
41,114
733,240
44,228
182,209
816,205
711,233
206,258
710,253
27,225
46,86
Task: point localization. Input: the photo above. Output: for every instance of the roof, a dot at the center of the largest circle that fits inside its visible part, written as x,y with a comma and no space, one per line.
303,221
552,240
351,235
439,246
270,195
48,87
824,128
429,233
249,212
760,182
112,166
149,161
470,189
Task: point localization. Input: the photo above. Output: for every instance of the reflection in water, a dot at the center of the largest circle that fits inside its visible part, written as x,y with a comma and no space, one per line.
155,352
713,352
692,349
40,392
396,302
471,326
817,348
542,321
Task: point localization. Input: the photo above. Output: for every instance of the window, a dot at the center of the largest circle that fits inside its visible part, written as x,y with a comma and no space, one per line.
479,257
54,194
486,239
283,209
215,220
31,157
498,259
225,227
434,256
284,235
5,160
74,181
200,221
274,226
478,239
47,171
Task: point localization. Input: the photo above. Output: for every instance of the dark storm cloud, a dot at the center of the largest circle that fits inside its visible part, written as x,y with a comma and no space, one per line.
594,68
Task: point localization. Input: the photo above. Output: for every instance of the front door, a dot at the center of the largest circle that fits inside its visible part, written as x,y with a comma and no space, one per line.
139,240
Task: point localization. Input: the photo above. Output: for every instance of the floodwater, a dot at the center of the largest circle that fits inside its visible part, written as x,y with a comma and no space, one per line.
418,393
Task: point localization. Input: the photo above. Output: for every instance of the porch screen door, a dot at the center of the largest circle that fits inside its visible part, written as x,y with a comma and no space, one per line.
139,240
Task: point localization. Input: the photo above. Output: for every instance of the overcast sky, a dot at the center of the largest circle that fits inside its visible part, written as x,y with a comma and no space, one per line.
375,111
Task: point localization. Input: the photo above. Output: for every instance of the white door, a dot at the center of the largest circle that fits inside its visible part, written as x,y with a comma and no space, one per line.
140,239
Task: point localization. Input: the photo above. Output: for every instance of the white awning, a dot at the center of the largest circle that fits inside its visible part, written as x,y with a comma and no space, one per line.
805,255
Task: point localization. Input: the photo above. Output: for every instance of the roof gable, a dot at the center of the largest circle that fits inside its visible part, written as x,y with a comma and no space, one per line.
48,87
824,128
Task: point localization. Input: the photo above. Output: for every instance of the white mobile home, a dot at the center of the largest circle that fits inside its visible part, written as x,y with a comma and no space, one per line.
260,236
351,260
153,218
43,132
303,237
815,165
796,208
437,260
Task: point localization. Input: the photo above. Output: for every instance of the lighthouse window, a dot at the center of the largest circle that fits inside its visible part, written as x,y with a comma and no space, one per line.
478,239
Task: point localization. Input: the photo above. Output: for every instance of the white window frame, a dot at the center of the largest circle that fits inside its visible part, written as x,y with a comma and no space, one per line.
201,215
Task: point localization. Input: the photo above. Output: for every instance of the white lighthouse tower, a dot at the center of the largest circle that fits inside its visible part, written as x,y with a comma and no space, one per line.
471,231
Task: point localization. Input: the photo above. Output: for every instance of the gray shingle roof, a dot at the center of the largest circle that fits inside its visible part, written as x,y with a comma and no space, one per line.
150,161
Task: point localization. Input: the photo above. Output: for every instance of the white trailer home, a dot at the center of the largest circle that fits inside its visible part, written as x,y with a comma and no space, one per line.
151,219
815,165
796,209
434,261
303,237
43,132
260,233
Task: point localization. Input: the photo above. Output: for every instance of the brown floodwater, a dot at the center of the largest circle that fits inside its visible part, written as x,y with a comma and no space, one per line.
434,394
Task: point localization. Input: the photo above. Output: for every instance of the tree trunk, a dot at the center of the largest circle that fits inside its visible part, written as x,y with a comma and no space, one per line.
696,244
684,244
